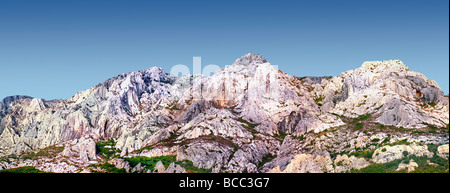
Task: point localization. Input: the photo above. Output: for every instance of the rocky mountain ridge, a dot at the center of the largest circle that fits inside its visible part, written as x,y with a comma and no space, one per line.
247,117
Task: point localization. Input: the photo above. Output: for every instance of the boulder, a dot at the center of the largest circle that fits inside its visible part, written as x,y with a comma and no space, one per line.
307,163
442,151
411,166
345,164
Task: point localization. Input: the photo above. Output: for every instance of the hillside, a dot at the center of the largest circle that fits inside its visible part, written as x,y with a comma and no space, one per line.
247,117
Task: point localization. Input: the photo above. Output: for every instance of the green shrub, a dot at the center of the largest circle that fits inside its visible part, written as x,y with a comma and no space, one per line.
150,163
106,152
249,126
362,153
266,158
401,142
359,126
110,168
432,103
24,169
386,140
173,107
363,117
46,152
432,147
318,99
422,162
405,153
389,167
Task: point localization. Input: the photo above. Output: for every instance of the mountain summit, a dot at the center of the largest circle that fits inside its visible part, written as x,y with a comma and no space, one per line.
247,117
384,66
251,59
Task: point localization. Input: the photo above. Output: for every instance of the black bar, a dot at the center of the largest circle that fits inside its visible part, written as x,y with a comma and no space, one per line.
169,183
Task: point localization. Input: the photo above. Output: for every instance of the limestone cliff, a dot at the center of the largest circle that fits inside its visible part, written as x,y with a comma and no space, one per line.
247,117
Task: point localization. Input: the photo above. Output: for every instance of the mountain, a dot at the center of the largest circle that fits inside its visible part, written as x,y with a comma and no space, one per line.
247,117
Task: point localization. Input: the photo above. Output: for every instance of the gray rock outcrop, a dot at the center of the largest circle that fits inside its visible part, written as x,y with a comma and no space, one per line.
247,117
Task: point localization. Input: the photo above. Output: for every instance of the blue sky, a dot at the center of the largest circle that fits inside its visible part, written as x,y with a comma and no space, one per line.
53,49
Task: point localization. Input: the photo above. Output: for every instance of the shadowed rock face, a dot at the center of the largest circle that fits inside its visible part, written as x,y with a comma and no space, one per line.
248,116
290,122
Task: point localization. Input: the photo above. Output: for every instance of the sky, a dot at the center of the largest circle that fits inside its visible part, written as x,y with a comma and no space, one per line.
53,49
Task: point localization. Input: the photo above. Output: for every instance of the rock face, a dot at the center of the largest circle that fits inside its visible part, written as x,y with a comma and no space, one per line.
389,153
443,151
83,148
388,89
345,163
303,163
411,166
247,117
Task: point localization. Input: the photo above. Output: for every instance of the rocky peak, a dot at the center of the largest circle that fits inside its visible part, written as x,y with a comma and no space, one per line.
251,59
4,105
249,116
385,65
158,74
